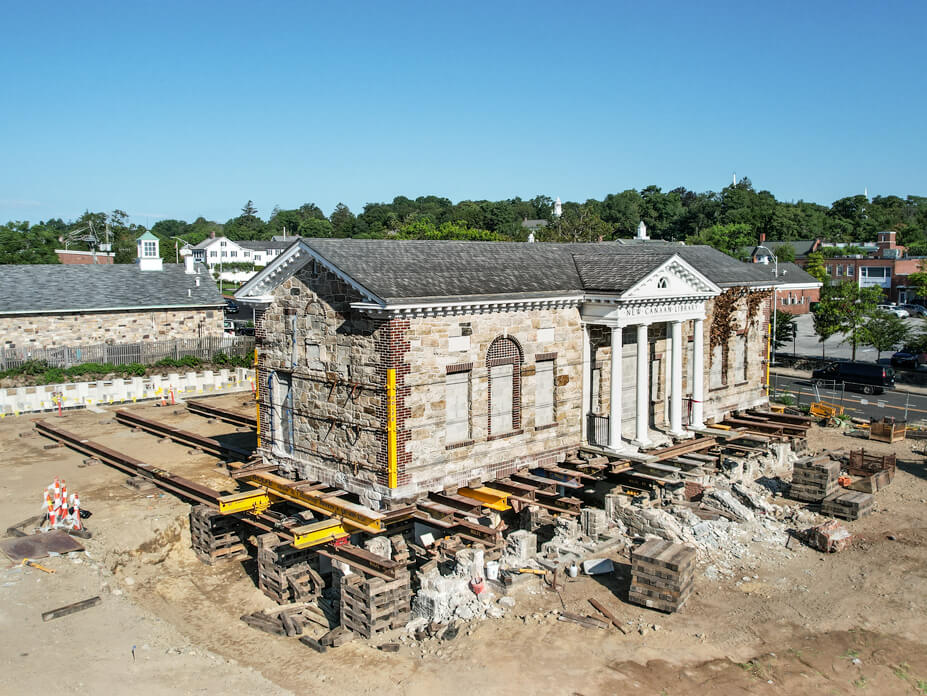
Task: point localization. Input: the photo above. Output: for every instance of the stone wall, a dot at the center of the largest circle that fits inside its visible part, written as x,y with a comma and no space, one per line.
747,342
83,328
330,355
473,343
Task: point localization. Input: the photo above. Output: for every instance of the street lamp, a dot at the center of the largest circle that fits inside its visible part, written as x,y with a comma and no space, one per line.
772,359
177,248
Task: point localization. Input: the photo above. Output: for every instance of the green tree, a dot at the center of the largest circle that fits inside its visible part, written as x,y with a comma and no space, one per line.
577,224
918,281
247,225
884,331
785,328
785,253
20,243
815,266
727,238
851,307
342,220
826,323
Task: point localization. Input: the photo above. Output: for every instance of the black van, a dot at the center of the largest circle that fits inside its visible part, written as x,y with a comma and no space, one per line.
865,376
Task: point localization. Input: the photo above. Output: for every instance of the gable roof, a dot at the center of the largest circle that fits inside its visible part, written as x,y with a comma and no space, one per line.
52,288
802,247
265,244
407,271
600,272
789,274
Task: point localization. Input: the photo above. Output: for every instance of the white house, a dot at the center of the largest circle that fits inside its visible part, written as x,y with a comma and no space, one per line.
216,251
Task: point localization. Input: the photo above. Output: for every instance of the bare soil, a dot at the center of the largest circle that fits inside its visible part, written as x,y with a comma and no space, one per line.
789,622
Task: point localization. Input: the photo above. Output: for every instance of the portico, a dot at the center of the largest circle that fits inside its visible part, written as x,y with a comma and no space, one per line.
673,295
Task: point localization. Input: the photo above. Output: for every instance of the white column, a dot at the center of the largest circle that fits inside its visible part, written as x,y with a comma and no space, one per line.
676,378
643,387
698,374
587,383
614,400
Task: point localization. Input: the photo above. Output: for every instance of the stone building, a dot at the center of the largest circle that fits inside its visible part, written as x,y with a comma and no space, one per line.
52,305
392,368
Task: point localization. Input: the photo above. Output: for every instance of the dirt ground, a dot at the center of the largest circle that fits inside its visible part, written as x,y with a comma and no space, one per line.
789,621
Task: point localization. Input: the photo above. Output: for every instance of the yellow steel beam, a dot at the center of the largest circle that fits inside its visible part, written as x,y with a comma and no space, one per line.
392,462
355,515
256,501
317,533
490,497
257,397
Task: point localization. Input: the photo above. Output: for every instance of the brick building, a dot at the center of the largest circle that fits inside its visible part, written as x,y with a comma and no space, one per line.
391,368
74,257
72,305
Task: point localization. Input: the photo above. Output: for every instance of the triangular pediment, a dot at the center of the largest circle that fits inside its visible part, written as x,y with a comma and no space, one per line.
675,277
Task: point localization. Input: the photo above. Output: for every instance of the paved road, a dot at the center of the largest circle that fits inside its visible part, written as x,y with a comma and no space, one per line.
807,343
890,403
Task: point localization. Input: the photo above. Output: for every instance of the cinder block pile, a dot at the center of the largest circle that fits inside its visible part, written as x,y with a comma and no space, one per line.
850,505
814,479
662,574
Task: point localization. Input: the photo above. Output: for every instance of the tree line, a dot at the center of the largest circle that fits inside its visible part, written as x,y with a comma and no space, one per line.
728,220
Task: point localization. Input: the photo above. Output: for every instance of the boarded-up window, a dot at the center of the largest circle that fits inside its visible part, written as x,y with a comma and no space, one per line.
716,373
282,416
503,359
501,409
544,393
690,366
596,397
743,358
458,407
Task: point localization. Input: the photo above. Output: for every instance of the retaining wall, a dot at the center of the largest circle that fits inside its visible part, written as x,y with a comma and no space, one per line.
15,401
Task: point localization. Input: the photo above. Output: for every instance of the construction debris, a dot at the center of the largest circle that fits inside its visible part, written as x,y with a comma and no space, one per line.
829,537
70,608
291,620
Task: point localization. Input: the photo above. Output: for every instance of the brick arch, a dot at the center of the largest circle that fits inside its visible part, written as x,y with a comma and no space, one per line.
505,350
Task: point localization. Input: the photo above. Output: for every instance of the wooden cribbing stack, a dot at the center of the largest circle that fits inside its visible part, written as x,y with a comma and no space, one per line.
373,605
215,537
662,574
286,574
814,478
850,505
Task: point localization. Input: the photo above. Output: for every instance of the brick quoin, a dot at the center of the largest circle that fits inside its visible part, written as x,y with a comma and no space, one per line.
392,344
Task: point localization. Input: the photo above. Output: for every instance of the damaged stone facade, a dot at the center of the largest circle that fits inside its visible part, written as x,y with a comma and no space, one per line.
322,376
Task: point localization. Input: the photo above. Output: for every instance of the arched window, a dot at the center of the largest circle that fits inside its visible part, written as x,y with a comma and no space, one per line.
662,283
503,360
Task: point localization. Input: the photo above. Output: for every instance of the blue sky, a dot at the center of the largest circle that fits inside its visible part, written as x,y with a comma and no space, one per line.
179,109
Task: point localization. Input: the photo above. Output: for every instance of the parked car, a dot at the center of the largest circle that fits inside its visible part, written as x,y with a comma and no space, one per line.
915,310
231,307
894,309
904,358
866,377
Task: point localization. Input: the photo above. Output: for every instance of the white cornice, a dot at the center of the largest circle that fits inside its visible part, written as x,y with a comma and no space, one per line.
454,308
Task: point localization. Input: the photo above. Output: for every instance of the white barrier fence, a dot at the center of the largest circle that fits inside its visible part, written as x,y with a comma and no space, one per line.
171,387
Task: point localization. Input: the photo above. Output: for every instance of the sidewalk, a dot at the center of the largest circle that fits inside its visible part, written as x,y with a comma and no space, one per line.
900,388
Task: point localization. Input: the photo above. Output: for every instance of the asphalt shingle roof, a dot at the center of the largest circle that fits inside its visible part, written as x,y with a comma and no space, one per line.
407,270
600,272
41,288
